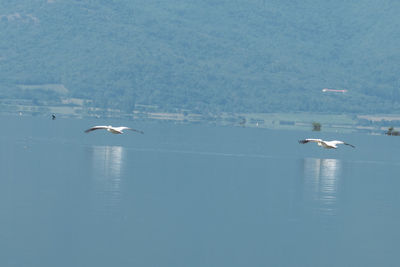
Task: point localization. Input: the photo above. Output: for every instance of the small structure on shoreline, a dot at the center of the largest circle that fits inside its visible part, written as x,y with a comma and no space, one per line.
316,126
391,131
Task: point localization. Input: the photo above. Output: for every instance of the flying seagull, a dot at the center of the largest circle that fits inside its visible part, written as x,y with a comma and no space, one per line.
325,144
111,129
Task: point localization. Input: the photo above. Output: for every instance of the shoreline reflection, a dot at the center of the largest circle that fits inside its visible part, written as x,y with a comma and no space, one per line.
322,179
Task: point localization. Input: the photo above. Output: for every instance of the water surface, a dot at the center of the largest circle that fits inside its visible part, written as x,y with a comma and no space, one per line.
194,195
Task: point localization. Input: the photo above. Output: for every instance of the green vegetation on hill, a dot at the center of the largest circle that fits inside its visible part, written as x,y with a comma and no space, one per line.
205,56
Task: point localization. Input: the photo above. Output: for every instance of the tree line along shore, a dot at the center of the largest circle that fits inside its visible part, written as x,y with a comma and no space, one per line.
373,123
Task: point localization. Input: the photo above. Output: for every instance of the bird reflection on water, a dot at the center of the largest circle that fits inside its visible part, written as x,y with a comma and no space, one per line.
107,167
322,179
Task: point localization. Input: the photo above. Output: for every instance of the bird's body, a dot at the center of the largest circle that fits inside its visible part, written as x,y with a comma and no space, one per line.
325,144
111,129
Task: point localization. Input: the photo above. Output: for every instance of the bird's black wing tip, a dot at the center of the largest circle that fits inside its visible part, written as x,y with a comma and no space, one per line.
136,130
350,145
303,141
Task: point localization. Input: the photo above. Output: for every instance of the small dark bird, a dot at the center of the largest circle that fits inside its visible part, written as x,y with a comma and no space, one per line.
53,117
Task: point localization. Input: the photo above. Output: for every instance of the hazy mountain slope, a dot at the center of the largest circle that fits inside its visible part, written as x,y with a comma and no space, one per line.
234,55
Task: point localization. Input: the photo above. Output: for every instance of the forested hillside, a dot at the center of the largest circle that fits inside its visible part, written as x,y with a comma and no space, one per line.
205,56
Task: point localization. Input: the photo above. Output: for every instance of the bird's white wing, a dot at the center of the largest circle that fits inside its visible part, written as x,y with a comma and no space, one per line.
337,142
305,141
127,128
96,128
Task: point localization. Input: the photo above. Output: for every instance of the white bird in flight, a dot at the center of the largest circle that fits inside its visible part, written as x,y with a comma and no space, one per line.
325,144
111,129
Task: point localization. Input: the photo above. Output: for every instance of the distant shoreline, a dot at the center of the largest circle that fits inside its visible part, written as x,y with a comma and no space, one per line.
369,123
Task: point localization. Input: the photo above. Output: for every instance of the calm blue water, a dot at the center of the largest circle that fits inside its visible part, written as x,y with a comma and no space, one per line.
194,195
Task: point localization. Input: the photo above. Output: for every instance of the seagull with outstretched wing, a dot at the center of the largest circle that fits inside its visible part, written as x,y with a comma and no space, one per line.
111,129
325,144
